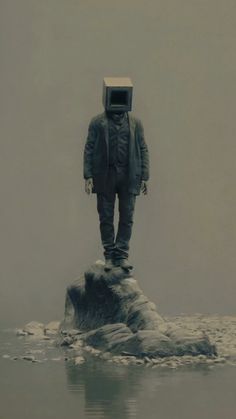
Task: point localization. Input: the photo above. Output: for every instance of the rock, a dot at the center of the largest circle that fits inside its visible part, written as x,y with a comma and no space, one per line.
88,348
107,337
125,361
220,360
111,314
21,332
125,353
190,343
67,341
77,344
74,332
95,351
105,355
79,360
139,362
28,358
149,343
35,351
100,298
34,328
202,357
52,328
155,361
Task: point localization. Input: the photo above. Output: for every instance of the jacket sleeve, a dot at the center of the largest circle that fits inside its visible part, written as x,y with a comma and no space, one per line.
144,152
88,150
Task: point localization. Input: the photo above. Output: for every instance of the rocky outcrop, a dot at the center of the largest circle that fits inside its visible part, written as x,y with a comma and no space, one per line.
110,312
39,330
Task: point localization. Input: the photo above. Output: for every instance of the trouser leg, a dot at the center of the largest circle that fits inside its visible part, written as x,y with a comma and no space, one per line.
105,207
126,213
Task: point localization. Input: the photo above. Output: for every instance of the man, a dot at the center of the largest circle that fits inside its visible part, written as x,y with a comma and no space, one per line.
116,162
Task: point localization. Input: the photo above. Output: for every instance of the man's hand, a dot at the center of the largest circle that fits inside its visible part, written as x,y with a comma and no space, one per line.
88,185
144,187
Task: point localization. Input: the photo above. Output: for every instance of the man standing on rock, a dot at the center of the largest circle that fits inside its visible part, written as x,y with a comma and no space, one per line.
116,162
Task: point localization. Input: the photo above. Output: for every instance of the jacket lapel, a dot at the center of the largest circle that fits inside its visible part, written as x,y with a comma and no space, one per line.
104,124
132,141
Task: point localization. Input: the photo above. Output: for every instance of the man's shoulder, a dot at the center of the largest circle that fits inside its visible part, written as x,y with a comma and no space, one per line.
100,118
135,119
97,119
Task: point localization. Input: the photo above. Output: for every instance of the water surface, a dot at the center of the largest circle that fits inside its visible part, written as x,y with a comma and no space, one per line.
56,388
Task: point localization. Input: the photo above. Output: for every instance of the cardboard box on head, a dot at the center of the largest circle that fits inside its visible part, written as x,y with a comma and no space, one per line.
117,94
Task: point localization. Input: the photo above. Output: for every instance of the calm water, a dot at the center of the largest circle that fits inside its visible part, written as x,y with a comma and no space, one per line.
58,389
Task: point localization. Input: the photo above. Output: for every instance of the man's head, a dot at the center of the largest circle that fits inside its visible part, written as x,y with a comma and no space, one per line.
117,94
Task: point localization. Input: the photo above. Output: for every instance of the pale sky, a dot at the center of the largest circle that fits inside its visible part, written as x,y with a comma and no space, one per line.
181,58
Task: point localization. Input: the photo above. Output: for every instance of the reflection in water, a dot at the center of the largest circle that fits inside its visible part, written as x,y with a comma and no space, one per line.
107,387
115,391
97,389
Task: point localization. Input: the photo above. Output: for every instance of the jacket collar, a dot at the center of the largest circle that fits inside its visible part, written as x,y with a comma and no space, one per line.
104,124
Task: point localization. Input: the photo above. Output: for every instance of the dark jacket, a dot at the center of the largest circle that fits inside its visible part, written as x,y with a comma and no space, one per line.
97,148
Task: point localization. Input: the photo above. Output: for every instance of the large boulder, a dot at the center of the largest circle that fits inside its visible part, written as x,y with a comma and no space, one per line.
112,314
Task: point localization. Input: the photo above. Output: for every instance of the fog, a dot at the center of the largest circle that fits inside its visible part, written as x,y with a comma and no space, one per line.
181,58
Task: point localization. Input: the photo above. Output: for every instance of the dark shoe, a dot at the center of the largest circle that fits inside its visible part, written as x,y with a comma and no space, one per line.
108,265
124,264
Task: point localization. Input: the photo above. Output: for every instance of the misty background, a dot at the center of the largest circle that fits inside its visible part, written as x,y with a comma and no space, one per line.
181,58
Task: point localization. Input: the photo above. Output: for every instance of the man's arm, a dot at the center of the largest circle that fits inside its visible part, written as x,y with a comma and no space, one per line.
144,159
144,153
88,150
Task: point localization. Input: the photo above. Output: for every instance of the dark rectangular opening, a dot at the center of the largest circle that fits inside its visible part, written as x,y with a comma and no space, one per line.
119,97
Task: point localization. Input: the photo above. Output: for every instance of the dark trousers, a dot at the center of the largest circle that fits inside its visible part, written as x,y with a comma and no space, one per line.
117,183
